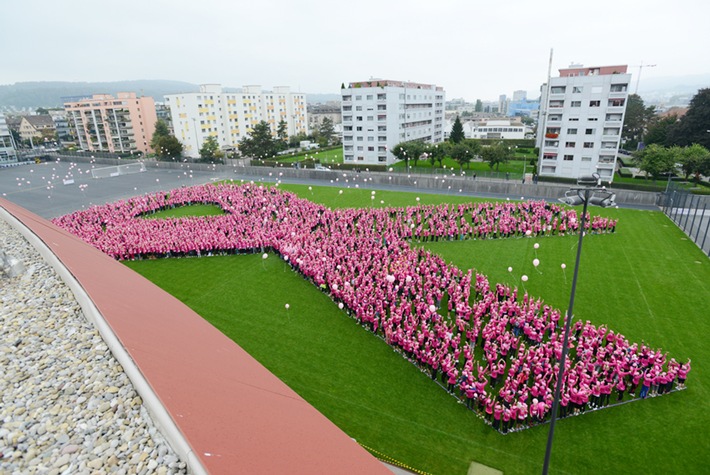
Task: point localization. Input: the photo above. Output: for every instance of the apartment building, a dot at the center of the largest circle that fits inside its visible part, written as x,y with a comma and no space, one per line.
113,124
7,144
230,116
581,119
379,114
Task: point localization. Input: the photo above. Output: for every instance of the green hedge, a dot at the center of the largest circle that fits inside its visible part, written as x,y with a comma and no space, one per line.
312,163
625,172
524,143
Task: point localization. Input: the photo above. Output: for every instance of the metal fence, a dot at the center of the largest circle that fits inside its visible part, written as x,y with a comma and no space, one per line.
690,212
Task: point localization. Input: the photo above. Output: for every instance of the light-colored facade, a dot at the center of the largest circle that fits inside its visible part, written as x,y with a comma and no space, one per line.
36,127
118,125
7,144
582,114
230,116
379,114
490,129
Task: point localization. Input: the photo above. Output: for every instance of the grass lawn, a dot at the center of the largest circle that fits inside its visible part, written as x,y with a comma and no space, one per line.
325,156
647,281
481,168
182,211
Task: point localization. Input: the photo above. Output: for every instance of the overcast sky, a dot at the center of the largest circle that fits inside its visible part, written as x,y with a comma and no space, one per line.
474,49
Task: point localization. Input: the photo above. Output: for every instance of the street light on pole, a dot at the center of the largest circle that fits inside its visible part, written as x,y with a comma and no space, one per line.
588,191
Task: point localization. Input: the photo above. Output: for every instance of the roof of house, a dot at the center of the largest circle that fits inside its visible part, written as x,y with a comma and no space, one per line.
41,121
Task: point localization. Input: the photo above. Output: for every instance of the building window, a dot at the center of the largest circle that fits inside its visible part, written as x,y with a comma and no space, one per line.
573,119
618,88
576,104
569,144
577,89
589,131
571,131
595,103
586,159
557,90
369,97
592,119
588,144
568,158
370,149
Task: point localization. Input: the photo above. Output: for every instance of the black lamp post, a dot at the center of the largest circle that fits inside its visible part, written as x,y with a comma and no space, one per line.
587,191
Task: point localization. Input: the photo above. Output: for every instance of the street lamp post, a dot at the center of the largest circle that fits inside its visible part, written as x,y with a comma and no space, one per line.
587,187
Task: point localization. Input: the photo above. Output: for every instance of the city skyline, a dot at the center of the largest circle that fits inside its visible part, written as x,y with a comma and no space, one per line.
313,47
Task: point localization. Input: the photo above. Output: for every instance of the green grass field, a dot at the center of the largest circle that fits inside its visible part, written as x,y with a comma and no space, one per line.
646,281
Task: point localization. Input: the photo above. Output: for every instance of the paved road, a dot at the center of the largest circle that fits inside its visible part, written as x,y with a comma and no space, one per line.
56,188
41,188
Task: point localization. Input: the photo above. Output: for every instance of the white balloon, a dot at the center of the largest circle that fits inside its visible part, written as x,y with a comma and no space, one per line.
287,306
510,269
335,286
536,246
340,192
536,262
340,305
264,256
524,278
432,308
563,265
528,232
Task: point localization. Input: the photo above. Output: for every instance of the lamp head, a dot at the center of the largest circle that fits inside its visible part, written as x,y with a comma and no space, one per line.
589,180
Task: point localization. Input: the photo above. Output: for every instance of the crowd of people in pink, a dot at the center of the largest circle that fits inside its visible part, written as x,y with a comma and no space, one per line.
495,350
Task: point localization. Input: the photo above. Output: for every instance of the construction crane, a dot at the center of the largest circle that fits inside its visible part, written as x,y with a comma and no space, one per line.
638,79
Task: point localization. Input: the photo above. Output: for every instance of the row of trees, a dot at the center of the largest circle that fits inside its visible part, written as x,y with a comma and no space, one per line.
659,161
463,152
259,142
642,124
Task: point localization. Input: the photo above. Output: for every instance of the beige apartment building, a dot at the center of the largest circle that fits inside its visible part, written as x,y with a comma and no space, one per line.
113,124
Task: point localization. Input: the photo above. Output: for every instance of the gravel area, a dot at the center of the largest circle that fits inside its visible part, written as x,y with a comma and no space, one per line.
66,406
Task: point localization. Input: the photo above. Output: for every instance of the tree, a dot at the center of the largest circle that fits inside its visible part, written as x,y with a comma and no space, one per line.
167,148
210,152
658,130
407,151
457,134
259,143
161,130
657,160
437,152
694,125
282,134
325,132
496,154
695,160
636,120
464,152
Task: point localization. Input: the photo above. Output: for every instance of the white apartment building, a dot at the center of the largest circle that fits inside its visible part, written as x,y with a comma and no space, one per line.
581,118
379,114
7,144
489,129
230,116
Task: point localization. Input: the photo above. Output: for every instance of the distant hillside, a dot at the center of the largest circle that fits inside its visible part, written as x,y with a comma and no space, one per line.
31,95
24,95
